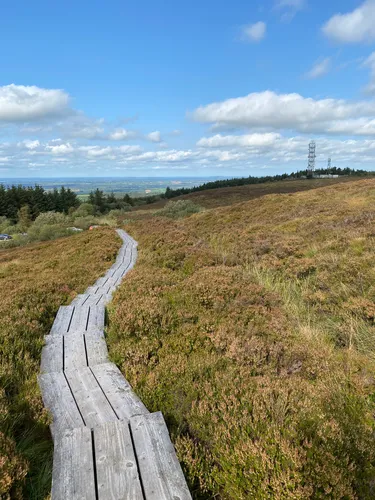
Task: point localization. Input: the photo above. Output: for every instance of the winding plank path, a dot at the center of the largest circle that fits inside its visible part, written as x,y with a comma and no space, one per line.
107,446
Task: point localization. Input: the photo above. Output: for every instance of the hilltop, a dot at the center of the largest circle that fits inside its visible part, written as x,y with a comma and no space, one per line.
223,196
251,327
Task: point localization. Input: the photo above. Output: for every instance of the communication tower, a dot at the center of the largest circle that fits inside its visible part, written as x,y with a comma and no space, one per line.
311,162
329,163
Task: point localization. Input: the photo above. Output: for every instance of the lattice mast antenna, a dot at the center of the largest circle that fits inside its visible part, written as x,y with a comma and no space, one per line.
311,162
329,163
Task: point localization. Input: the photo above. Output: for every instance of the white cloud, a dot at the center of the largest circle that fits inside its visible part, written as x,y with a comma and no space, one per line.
60,149
320,68
353,27
268,110
254,32
129,149
154,136
31,144
19,103
250,140
122,134
289,8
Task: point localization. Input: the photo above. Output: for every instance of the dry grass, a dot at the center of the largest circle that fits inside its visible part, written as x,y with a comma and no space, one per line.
252,328
212,198
34,282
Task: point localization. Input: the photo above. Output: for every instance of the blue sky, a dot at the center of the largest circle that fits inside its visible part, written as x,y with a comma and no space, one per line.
185,88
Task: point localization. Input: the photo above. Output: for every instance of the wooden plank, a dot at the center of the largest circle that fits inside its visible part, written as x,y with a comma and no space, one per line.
62,320
90,399
74,352
87,318
79,319
58,399
116,466
73,466
96,349
118,391
161,474
52,354
101,281
80,299
97,318
105,299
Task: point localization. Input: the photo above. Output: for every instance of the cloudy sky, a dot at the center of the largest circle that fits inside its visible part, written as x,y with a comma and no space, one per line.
125,88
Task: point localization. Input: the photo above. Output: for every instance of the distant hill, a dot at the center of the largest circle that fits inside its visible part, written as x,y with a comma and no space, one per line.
228,195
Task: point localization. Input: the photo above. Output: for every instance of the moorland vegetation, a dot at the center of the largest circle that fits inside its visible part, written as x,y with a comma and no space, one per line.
35,281
255,337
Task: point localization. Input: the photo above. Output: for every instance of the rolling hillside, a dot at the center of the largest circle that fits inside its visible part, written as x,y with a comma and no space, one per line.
212,198
251,327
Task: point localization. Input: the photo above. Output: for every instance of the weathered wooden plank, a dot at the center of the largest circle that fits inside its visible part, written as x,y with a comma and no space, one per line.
58,399
74,352
80,319
61,324
96,318
73,466
87,318
52,354
105,298
116,466
161,474
90,300
118,391
90,399
101,281
80,299
96,349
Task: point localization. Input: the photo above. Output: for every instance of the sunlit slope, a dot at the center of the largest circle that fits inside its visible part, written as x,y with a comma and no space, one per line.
252,328
34,282
211,198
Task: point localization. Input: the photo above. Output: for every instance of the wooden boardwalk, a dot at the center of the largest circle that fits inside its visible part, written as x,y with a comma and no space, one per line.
107,446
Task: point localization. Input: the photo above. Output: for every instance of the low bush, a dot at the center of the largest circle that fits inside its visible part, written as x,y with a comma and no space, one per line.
251,327
51,219
179,209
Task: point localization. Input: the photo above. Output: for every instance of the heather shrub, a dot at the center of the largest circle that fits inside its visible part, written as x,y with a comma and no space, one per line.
251,327
43,232
179,209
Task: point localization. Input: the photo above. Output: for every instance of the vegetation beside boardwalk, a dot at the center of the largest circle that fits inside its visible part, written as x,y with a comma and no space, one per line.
252,328
34,282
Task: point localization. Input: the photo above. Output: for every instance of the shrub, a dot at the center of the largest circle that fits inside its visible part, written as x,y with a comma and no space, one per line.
51,218
39,232
84,210
84,222
179,209
252,328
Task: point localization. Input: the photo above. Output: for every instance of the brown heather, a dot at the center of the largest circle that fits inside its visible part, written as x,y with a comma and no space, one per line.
252,328
34,282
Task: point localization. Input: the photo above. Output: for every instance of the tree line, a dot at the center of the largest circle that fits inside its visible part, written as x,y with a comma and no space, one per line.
243,181
37,199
